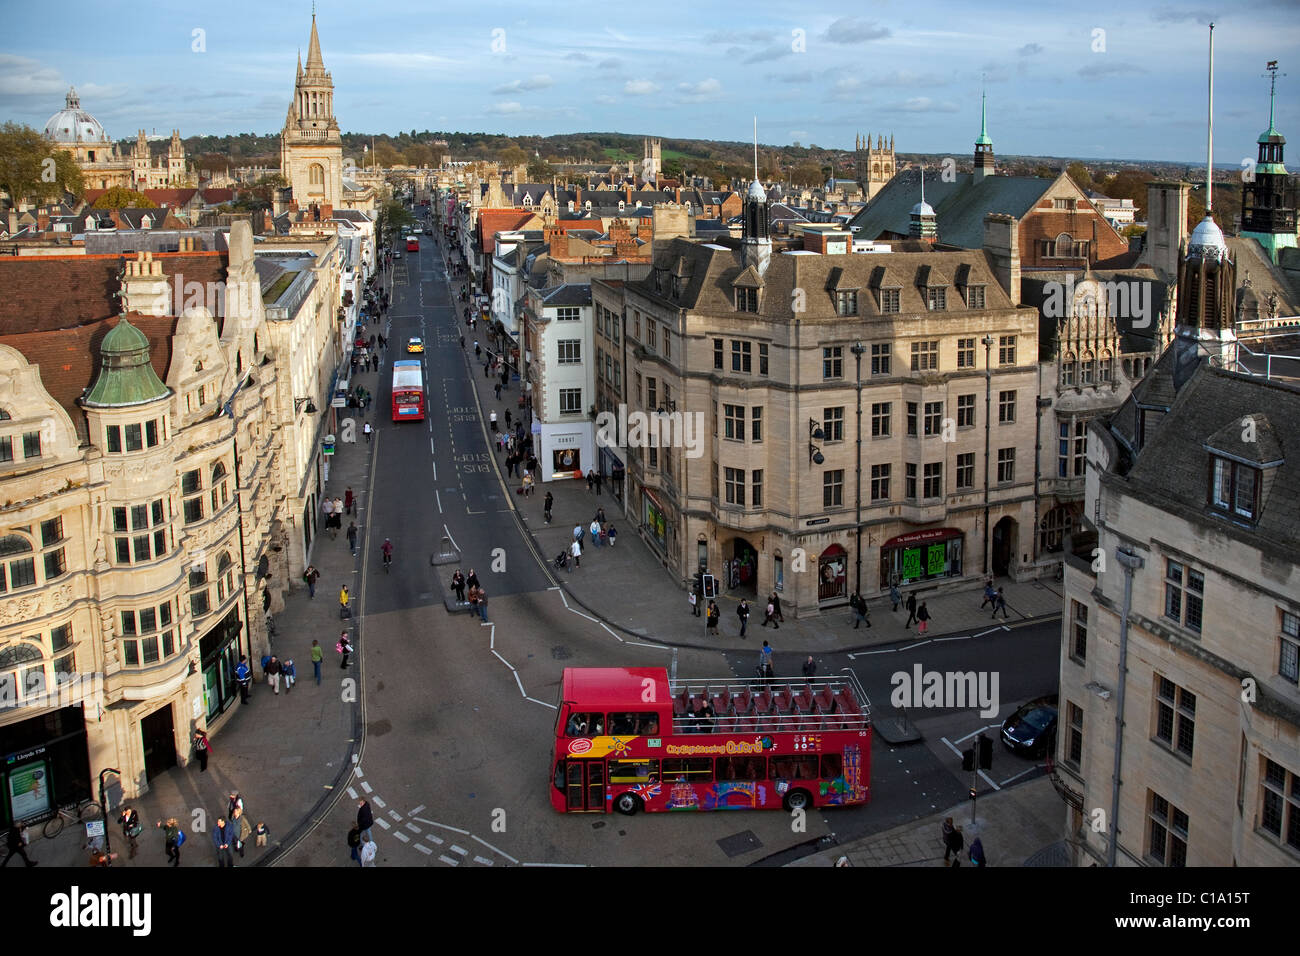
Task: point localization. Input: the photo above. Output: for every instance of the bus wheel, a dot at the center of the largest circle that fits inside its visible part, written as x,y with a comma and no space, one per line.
797,800
627,804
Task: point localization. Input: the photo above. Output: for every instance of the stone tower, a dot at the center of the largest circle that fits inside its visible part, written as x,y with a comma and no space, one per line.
176,159
311,147
873,167
652,164
1268,206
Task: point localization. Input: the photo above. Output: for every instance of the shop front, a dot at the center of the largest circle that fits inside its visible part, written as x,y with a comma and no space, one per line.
219,650
567,451
832,574
654,520
44,764
921,556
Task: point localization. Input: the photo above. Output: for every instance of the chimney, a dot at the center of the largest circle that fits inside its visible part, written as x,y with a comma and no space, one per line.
145,288
1002,243
42,220
627,191
13,220
559,244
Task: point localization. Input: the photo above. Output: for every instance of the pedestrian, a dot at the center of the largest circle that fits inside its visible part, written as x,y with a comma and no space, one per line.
923,619
173,839
895,595
990,596
236,802
577,532
343,601
742,612
591,481
317,656
354,843
693,600
599,480
366,430
546,507
765,661
473,580
497,388
955,843
365,818
1000,604
242,829
775,599
860,611
482,604
528,485
613,535
310,577
223,837
595,533
327,509
458,585
507,417
575,550
131,829
946,832
290,675
368,852
911,609
345,648
17,843
711,621
352,536
243,674
492,419
810,668
348,500
272,670
201,748
977,853
477,351
261,834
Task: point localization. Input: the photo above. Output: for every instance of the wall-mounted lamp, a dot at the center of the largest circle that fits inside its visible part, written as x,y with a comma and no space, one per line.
815,433
298,403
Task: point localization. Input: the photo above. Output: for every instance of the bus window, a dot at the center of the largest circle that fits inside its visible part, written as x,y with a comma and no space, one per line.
742,768
582,725
633,771
832,766
801,767
634,724
689,769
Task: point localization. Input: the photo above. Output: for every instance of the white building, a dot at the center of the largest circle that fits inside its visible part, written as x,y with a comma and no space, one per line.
561,377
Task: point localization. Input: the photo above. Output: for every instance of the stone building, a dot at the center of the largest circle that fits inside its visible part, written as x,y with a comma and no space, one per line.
144,513
311,146
873,166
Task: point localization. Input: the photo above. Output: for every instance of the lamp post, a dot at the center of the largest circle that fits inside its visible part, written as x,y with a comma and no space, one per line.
1130,562
858,349
103,810
988,437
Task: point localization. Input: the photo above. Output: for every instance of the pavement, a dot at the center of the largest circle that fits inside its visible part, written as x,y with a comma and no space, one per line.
291,755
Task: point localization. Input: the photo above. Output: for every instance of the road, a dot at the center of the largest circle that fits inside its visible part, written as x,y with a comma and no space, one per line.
459,714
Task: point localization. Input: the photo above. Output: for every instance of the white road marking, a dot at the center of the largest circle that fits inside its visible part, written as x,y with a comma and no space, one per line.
423,849
503,660
450,538
357,769
522,693
444,826
380,821
434,839
379,803
542,702
401,836
413,828
397,817
438,497
416,810
494,849
352,793
366,787
482,860
458,849
449,861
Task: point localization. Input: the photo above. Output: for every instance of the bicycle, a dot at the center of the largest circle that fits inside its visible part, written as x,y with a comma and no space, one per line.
82,810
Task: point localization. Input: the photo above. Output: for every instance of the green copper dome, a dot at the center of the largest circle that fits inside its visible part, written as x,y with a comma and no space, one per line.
126,376
983,138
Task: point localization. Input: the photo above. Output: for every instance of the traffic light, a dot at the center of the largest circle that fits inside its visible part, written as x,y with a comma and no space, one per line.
710,587
986,752
968,759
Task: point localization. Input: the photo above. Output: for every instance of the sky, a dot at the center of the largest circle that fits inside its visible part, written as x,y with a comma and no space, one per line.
1101,79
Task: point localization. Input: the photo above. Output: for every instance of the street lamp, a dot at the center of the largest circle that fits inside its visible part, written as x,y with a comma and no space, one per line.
815,433
988,437
857,349
1130,561
103,810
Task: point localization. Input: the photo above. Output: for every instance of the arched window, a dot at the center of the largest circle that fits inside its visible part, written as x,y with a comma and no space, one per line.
1105,370
1087,369
316,175
22,673
225,576
16,571
4,416
199,601
1068,369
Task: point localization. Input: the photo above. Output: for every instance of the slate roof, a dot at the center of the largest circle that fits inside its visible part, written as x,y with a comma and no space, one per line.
568,294
960,206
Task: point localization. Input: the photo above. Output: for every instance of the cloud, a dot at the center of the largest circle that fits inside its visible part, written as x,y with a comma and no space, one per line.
609,64
850,30
510,106
539,81
1170,15
735,36
1110,68
1030,49
640,88
906,78
798,134
579,57
20,76
921,104
700,92
605,99
804,76
768,53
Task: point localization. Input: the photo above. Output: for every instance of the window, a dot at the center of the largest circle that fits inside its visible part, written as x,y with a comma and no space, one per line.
1175,715
1074,742
691,769
933,480
880,419
746,300
1280,813
192,507
654,463
1087,369
1072,448
31,444
966,411
733,422
880,355
833,423
1079,628
740,356
734,486
965,353
833,361
1006,465
1184,595
1006,407
762,358
717,354
147,636
833,488
925,356
756,424
114,437
634,771
134,438
880,482
151,432
1167,839
569,313
1289,662
890,300
909,481
846,303
975,297
1105,369
936,298
966,470
6,449
756,488
933,418
15,571
1007,350
911,419
1234,487
1068,370
571,401
570,352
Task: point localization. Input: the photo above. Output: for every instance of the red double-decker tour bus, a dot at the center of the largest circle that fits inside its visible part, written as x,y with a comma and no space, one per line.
408,391
627,739
412,244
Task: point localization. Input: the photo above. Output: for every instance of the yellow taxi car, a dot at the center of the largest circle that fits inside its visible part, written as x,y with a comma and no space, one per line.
415,345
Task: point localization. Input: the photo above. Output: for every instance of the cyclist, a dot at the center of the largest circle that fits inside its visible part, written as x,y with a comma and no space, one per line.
387,549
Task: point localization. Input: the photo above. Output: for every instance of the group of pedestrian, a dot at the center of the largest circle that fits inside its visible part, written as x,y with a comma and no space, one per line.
953,842
858,604
275,669
360,842
230,834
995,597
602,533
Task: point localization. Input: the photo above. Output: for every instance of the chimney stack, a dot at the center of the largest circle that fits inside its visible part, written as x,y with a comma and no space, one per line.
1002,242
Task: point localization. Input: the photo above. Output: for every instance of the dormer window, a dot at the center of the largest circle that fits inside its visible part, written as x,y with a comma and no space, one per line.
936,298
975,297
891,300
746,300
1234,488
846,303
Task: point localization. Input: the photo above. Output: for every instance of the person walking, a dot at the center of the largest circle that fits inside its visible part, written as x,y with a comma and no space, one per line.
693,600
896,596
344,611
990,596
711,620
546,507
273,674
290,675
575,550
348,500
366,430
594,528
946,832
923,619
317,656
742,612
1000,604
591,481
241,829
492,420
577,532
775,600
365,818
223,836
810,668
243,674
173,838
955,843
977,853
458,585
765,670
236,802
482,605
327,510
770,616
497,387
911,609
857,610
131,829
613,535
354,843
472,580
352,536
201,749
16,842
311,576
368,852
344,648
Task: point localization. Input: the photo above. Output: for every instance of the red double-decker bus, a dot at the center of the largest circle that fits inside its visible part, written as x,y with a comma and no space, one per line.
412,244
408,391
627,739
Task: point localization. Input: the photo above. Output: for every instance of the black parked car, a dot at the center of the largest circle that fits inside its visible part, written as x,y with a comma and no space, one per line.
1031,730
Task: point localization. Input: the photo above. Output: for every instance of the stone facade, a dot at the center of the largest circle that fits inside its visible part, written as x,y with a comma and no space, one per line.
311,146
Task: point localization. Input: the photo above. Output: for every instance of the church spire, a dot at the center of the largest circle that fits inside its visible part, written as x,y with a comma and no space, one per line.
314,60
983,144
1268,205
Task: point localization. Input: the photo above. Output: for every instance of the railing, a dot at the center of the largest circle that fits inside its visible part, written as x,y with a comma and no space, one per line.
773,705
